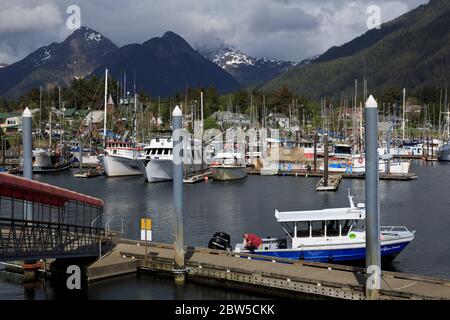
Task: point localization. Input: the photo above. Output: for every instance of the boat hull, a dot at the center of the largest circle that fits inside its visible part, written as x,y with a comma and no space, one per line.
353,254
117,166
444,153
55,168
160,170
228,173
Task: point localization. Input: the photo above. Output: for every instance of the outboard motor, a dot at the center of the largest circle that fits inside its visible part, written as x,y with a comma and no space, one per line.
220,241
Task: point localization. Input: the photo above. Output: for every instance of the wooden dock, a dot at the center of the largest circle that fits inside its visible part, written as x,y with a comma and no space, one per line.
304,173
332,183
197,177
273,276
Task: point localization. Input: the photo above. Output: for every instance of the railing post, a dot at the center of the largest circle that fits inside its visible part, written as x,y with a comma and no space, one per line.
177,138
373,254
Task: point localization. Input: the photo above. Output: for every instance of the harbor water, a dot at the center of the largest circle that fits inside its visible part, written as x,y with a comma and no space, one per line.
248,205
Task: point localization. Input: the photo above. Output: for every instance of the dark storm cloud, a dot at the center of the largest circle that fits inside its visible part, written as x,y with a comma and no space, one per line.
285,29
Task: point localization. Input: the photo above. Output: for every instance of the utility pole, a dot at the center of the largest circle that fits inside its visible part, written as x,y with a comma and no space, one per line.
373,254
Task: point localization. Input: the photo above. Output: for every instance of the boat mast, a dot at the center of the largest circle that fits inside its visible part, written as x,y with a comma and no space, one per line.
60,117
201,115
354,118
50,120
404,109
448,114
135,133
105,111
40,111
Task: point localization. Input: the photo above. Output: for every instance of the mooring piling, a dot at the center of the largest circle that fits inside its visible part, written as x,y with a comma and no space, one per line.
177,138
373,255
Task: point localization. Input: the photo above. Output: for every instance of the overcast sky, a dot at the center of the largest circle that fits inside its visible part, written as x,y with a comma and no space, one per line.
283,29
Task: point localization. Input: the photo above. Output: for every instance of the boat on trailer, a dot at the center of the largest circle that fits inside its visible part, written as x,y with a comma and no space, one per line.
329,235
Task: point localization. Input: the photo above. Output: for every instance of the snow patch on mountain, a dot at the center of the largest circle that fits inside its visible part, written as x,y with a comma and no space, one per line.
93,36
45,54
227,56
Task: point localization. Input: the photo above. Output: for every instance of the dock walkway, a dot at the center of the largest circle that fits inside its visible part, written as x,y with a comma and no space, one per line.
266,273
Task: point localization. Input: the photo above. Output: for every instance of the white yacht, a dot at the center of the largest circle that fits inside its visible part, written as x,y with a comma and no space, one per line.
119,158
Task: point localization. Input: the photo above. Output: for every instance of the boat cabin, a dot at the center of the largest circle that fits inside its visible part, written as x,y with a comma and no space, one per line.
119,144
159,147
307,227
342,150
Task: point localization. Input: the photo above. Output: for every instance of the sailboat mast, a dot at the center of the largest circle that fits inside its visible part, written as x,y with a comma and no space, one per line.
50,120
354,116
404,109
201,115
40,111
105,111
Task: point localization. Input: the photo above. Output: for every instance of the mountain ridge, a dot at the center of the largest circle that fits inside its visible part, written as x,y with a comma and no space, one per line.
248,70
414,55
57,63
167,65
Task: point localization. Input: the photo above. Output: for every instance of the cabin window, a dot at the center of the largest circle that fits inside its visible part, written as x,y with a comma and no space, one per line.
333,228
345,227
289,228
317,228
303,229
166,151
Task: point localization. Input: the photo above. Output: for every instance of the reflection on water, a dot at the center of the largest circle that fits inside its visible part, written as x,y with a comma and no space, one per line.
248,206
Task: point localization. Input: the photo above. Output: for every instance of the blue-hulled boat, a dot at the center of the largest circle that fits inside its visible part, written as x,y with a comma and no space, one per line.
330,235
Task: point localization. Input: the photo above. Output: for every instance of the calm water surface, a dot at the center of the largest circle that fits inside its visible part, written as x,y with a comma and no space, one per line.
248,206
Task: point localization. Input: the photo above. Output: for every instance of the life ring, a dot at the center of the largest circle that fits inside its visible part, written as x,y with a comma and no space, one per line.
360,160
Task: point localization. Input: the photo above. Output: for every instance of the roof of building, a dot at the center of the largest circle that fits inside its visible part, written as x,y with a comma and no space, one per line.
10,115
279,116
96,116
70,112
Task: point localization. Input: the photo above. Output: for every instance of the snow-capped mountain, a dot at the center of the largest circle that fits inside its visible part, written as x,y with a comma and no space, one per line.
246,69
58,63
307,60
2,65
166,65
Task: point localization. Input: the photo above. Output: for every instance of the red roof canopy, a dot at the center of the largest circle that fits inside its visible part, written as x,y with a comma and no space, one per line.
38,192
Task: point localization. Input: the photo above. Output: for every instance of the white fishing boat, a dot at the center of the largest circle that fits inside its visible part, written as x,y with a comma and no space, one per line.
444,153
156,162
119,158
45,161
329,235
227,166
357,165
